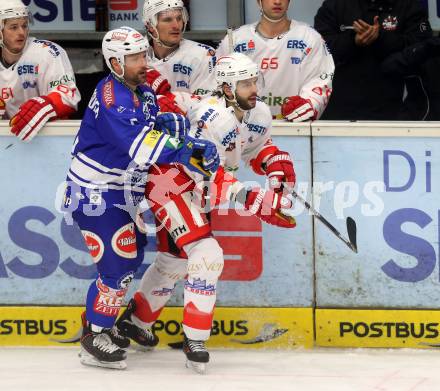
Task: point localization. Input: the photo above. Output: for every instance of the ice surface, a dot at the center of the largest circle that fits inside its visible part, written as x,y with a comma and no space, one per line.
35,369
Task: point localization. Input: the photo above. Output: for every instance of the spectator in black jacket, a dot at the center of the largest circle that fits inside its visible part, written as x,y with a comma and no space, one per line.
419,64
361,34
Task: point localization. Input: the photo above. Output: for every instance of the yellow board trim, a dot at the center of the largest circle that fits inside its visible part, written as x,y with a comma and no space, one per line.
243,328
390,328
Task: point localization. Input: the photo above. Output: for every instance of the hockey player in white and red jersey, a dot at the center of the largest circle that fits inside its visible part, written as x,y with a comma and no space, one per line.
294,59
239,125
37,83
178,64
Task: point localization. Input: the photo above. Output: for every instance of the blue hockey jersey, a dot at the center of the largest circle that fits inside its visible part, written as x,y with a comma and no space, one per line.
115,146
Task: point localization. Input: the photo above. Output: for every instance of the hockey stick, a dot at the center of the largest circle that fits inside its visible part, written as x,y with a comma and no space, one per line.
351,224
230,40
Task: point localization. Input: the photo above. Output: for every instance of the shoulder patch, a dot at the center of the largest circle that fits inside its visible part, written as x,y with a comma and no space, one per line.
53,48
202,45
108,94
209,50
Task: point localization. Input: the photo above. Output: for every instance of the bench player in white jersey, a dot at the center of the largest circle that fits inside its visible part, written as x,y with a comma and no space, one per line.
186,65
296,64
239,124
37,82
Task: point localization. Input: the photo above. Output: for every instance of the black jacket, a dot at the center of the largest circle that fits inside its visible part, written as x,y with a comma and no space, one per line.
419,64
361,91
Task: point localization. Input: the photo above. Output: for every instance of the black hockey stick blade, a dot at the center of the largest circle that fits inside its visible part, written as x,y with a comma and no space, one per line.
352,233
176,345
349,243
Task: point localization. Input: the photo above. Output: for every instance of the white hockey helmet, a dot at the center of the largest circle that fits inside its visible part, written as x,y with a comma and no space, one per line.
10,9
120,42
234,67
153,7
13,9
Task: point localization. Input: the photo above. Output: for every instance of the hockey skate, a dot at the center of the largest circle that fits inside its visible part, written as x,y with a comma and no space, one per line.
145,338
97,349
197,355
118,339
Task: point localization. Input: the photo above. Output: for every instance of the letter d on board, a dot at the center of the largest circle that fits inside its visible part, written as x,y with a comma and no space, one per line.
386,170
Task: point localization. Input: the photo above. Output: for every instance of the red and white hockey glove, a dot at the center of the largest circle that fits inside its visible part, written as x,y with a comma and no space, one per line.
31,117
2,108
267,205
157,82
279,170
167,104
298,109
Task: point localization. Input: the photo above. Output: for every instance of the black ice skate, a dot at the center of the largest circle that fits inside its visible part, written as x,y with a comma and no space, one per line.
125,327
118,339
97,349
197,355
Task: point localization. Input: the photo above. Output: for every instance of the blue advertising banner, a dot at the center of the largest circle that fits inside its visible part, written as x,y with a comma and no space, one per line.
43,260
53,15
390,187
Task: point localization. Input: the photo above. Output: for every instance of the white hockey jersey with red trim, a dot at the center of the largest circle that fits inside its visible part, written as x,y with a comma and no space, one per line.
295,63
190,68
212,120
43,69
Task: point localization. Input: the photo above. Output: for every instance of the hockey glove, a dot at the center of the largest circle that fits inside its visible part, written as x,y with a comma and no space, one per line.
2,108
157,82
298,109
176,125
167,104
200,156
279,170
267,205
31,117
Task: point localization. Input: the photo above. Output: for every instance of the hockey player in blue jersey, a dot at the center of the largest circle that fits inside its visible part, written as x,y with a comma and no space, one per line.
121,136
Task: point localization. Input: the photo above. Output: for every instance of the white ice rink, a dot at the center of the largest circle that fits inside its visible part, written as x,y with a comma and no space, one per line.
35,369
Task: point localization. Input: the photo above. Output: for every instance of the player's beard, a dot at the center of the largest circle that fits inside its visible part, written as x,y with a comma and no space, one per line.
246,103
142,77
136,78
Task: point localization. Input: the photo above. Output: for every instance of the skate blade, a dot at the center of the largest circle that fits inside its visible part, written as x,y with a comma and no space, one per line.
198,367
142,348
86,358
